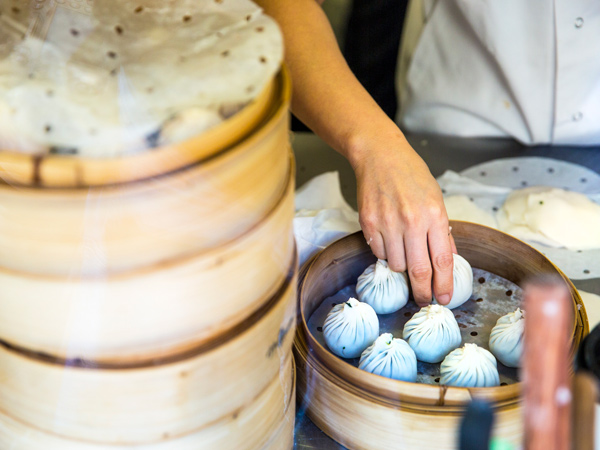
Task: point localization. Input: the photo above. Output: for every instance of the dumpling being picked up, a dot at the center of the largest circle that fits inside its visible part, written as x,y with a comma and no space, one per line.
382,288
506,340
350,327
390,357
463,282
470,366
432,333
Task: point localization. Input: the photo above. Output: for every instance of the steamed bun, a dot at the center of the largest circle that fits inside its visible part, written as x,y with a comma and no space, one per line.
551,216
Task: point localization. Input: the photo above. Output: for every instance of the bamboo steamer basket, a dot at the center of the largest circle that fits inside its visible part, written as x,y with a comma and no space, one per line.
153,312
165,399
283,439
361,410
71,216
266,423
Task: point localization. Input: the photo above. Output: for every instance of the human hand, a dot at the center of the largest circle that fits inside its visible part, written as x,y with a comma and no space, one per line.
403,217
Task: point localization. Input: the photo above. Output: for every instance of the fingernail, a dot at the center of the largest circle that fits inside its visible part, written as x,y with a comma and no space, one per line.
444,299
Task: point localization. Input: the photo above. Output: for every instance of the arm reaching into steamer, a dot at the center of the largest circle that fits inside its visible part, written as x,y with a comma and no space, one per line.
401,207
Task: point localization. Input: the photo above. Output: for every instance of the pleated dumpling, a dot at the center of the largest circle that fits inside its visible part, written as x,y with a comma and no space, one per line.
390,357
506,340
469,366
382,288
350,327
432,333
463,282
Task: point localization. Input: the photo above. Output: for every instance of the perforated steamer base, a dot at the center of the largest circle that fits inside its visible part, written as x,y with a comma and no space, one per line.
493,297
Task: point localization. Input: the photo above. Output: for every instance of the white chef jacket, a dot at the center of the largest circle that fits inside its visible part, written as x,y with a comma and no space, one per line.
529,69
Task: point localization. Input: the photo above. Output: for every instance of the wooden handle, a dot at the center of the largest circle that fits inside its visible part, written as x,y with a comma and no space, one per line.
585,393
547,389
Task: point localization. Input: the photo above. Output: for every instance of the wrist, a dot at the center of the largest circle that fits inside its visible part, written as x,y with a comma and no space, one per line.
377,142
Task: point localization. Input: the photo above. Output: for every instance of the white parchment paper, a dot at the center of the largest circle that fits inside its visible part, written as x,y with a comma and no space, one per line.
488,185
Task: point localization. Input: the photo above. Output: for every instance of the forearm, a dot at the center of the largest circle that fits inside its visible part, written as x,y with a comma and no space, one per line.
327,96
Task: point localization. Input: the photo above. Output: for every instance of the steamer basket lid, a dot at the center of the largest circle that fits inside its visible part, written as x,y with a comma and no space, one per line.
103,78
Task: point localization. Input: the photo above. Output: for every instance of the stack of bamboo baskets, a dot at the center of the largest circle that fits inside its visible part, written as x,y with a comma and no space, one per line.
149,302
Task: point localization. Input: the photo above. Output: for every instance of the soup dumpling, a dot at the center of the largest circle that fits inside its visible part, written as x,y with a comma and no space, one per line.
390,357
463,282
350,327
469,366
432,333
506,340
382,288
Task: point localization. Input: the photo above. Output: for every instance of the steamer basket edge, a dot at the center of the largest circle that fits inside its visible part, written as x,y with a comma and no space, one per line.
76,172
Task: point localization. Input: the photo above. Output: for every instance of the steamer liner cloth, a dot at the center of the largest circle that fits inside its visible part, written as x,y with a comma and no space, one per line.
322,215
100,78
489,184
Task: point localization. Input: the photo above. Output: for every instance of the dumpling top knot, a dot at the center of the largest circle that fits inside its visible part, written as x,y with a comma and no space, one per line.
352,307
516,316
352,302
470,350
435,312
381,271
383,342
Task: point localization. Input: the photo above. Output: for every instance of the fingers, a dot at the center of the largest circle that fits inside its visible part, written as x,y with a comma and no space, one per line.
440,250
388,243
394,248
375,241
426,253
378,247
419,266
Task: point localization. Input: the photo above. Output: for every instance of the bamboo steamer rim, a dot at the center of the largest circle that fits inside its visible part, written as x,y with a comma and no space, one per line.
289,409
305,357
288,185
68,171
402,394
204,347
356,419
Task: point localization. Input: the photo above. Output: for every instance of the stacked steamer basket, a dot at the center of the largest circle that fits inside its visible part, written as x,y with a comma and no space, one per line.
148,300
365,411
